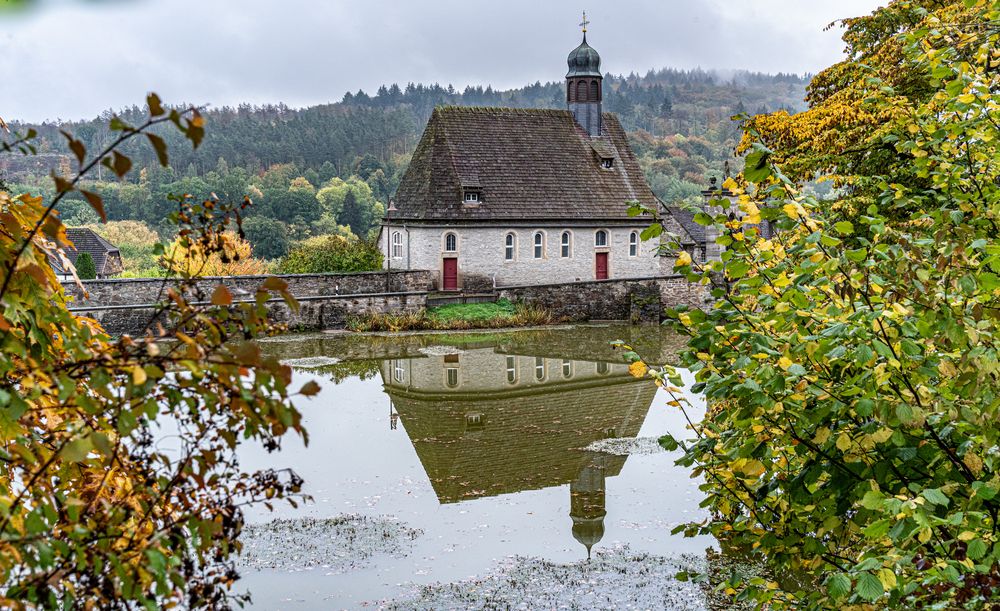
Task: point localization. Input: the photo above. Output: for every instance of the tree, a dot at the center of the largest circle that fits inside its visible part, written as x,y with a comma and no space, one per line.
352,214
849,361
332,253
93,512
85,268
231,255
268,237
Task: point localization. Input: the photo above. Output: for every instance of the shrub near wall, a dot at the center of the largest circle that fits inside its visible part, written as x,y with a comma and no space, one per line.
325,254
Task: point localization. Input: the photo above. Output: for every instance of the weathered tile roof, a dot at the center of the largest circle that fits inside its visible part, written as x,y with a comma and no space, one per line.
527,164
107,258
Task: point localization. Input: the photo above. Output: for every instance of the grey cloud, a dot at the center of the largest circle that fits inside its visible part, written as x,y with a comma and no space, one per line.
72,59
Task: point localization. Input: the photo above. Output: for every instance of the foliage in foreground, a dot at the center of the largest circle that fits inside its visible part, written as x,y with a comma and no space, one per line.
851,361
119,485
497,315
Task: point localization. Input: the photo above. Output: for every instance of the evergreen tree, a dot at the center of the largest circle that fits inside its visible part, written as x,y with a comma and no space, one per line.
352,214
85,267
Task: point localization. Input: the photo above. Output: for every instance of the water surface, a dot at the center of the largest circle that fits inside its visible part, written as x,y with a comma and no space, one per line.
476,441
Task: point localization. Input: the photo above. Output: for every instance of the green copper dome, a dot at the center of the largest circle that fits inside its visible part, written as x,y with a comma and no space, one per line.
584,61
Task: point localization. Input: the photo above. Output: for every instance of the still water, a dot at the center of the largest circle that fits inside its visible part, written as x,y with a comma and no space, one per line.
475,443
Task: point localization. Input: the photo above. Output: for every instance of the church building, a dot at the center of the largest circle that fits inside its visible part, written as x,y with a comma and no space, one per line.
499,197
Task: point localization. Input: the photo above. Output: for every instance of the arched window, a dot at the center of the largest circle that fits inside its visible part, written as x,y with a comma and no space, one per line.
508,247
511,370
593,91
567,368
581,91
539,368
564,245
452,377
539,245
633,244
397,245
602,368
450,242
601,238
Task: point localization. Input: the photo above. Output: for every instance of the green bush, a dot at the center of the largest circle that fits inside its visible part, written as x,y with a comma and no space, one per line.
332,253
85,267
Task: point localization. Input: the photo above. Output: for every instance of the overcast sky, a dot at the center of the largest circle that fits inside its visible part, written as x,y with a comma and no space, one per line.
72,59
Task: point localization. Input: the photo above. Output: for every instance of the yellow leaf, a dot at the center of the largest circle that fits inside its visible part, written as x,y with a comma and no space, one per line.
924,536
638,369
754,468
967,98
138,375
888,578
822,435
973,462
791,210
784,362
683,258
843,442
966,536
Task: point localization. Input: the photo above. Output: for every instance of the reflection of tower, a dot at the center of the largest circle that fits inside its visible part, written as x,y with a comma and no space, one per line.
587,503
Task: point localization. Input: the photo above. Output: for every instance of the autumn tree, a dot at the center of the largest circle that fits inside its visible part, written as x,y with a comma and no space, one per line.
94,513
231,255
850,360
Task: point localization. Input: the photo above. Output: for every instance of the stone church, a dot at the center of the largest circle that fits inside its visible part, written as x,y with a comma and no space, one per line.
503,196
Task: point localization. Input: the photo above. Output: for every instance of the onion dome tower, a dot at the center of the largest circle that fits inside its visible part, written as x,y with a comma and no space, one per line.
584,90
587,503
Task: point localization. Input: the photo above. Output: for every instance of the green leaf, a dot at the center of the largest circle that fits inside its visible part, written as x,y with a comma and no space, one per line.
653,231
869,587
844,227
838,585
160,147
934,495
668,443
877,530
757,168
77,450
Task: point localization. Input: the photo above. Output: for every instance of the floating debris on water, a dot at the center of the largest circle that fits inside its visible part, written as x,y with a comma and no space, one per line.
626,446
614,579
440,350
311,362
336,544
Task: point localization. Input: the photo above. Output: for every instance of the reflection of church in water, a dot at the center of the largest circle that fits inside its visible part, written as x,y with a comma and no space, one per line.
485,424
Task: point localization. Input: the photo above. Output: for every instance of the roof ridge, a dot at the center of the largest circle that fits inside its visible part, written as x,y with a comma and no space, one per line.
502,109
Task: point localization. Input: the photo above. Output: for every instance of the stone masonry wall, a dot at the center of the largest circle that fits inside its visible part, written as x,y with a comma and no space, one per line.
314,313
136,291
608,299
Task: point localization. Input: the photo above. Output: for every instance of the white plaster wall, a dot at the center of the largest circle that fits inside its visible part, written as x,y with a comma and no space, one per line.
483,370
480,252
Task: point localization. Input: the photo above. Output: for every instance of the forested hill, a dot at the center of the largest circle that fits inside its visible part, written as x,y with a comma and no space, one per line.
678,121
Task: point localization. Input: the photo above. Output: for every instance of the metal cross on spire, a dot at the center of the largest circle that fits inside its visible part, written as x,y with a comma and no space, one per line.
584,23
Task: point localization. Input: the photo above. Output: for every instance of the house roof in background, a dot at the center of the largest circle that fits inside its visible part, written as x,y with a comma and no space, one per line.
107,258
527,163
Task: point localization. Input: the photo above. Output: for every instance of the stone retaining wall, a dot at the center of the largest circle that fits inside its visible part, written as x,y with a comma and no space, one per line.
633,299
315,312
141,291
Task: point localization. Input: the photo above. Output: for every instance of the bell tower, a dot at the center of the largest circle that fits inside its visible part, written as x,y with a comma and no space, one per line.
584,90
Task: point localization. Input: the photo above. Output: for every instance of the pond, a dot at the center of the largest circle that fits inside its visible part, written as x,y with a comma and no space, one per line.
452,470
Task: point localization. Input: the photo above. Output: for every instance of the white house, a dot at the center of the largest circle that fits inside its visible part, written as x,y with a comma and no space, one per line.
503,196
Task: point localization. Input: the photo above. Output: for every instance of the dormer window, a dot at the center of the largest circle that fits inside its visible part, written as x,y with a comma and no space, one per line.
607,162
472,197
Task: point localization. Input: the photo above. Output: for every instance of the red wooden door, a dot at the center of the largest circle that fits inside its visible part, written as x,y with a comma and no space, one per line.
450,274
602,266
